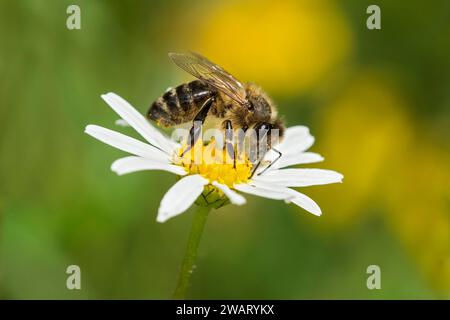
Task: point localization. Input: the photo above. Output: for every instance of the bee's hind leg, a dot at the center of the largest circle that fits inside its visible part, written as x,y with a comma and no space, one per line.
195,131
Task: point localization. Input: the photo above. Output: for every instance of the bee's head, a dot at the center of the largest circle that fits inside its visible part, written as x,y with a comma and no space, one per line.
259,106
258,102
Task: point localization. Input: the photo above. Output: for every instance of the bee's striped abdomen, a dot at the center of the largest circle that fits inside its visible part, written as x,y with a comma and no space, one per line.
181,104
184,97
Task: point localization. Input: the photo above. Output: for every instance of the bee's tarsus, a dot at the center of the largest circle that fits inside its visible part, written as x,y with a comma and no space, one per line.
254,169
271,164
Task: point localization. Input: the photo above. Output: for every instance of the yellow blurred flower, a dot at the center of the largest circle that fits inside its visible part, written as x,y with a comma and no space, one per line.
362,130
393,166
284,46
417,199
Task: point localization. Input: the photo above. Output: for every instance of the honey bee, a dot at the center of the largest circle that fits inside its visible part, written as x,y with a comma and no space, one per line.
219,96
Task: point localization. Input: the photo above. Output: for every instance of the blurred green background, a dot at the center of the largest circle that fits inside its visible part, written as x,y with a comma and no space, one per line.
377,101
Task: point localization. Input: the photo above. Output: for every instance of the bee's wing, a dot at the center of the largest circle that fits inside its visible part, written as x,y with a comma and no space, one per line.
212,74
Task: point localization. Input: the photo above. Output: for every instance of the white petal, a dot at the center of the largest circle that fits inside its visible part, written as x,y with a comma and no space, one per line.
266,185
126,143
180,197
272,191
304,202
297,158
300,177
290,195
296,131
121,122
261,192
138,122
296,139
235,198
288,160
133,164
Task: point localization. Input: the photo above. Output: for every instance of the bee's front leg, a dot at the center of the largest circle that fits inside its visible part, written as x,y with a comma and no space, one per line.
274,161
229,141
196,129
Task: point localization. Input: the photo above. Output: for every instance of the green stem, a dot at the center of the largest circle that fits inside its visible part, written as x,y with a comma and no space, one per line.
198,224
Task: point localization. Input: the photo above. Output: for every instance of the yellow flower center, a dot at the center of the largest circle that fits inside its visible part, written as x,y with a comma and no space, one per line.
214,164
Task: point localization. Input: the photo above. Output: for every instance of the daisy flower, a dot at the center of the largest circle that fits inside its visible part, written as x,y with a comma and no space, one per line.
207,182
